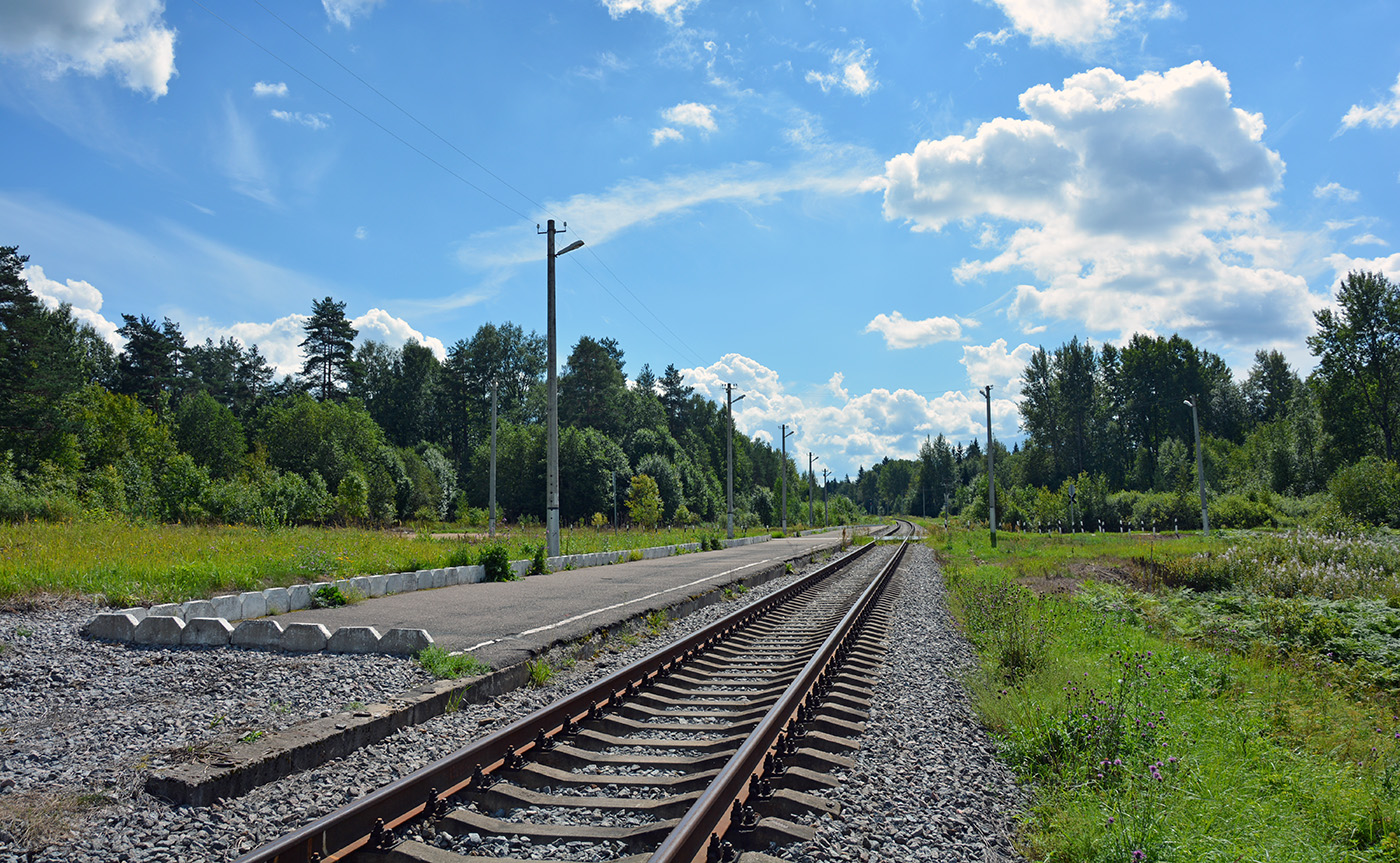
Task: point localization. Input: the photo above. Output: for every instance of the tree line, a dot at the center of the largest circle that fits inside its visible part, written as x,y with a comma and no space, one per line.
172,431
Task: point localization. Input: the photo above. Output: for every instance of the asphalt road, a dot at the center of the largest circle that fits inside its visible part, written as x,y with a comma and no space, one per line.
504,623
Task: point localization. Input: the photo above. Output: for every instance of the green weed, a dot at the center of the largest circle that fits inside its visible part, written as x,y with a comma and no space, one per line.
450,666
329,596
657,621
541,672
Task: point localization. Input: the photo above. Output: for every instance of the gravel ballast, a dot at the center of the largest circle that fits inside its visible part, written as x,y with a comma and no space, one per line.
927,784
82,723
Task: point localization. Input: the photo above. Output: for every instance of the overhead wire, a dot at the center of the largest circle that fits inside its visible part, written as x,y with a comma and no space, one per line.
459,151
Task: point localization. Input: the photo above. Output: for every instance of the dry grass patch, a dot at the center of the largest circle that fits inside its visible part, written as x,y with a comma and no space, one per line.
39,819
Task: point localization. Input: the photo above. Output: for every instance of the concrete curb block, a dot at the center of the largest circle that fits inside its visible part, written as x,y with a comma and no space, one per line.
206,632
247,766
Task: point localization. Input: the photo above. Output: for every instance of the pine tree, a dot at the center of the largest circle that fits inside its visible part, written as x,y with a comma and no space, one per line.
330,348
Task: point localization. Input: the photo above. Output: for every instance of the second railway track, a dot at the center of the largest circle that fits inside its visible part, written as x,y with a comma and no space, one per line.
709,747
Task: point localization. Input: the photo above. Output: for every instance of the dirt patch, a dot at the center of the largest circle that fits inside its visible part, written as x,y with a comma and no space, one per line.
1072,578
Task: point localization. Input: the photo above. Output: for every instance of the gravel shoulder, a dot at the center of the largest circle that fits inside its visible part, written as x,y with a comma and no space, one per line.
82,723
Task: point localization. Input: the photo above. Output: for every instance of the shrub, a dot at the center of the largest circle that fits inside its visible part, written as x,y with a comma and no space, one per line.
539,564
1241,511
1368,491
496,561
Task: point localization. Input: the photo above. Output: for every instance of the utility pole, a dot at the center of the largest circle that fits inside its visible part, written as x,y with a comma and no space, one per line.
811,489
551,505
493,461
729,401
991,470
786,435
826,513
1200,467
614,499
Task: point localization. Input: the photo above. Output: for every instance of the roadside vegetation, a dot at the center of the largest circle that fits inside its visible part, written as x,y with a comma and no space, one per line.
1185,699
136,563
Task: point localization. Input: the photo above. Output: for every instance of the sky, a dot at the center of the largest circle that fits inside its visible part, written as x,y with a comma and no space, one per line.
859,213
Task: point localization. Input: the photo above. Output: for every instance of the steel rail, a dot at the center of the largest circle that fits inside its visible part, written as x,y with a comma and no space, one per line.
350,828
699,834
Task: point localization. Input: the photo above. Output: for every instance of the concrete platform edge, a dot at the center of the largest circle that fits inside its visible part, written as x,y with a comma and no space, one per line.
315,742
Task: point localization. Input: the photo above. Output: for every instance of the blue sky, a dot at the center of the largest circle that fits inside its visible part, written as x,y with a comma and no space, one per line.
858,212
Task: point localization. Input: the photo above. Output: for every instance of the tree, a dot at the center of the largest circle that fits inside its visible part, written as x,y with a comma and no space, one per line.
644,502
329,347
1358,351
592,389
148,368
210,434
674,395
1269,387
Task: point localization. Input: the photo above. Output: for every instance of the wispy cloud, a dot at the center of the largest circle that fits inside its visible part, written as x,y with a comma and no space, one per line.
851,70
310,121
1337,191
1382,115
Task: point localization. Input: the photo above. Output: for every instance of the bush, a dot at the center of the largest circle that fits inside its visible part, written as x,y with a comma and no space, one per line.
1242,511
539,564
496,561
1368,491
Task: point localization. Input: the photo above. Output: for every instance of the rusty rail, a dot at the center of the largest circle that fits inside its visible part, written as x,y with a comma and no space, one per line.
353,826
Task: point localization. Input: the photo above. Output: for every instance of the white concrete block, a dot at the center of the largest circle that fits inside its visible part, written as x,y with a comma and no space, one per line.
110,626
378,585
228,606
354,639
474,574
278,599
359,586
520,567
197,608
265,633
404,642
206,632
166,609
299,596
304,637
162,630
253,604
137,612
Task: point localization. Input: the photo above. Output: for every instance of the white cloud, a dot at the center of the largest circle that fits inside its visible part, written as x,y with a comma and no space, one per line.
85,299
242,158
125,38
280,340
1336,190
994,364
1077,24
997,38
900,332
1341,264
362,233
670,11
664,134
1367,240
851,70
643,201
344,12
310,121
380,326
860,429
692,114
1382,115
1138,201
262,88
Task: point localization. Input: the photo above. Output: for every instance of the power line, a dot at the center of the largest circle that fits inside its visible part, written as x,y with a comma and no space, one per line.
541,207
362,114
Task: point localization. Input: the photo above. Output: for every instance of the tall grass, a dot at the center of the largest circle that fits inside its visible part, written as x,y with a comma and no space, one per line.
1145,747
135,564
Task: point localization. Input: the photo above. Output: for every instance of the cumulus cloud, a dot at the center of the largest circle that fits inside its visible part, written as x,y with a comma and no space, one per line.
1382,115
127,39
670,11
310,121
280,340
1341,264
1138,199
1336,190
900,332
1077,24
691,114
859,429
344,12
994,364
85,300
851,70
263,88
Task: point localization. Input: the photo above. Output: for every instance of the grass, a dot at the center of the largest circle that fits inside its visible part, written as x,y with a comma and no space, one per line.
39,819
1145,742
450,666
541,672
657,621
139,564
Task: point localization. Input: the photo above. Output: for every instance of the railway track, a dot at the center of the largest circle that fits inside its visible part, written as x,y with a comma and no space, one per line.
707,748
